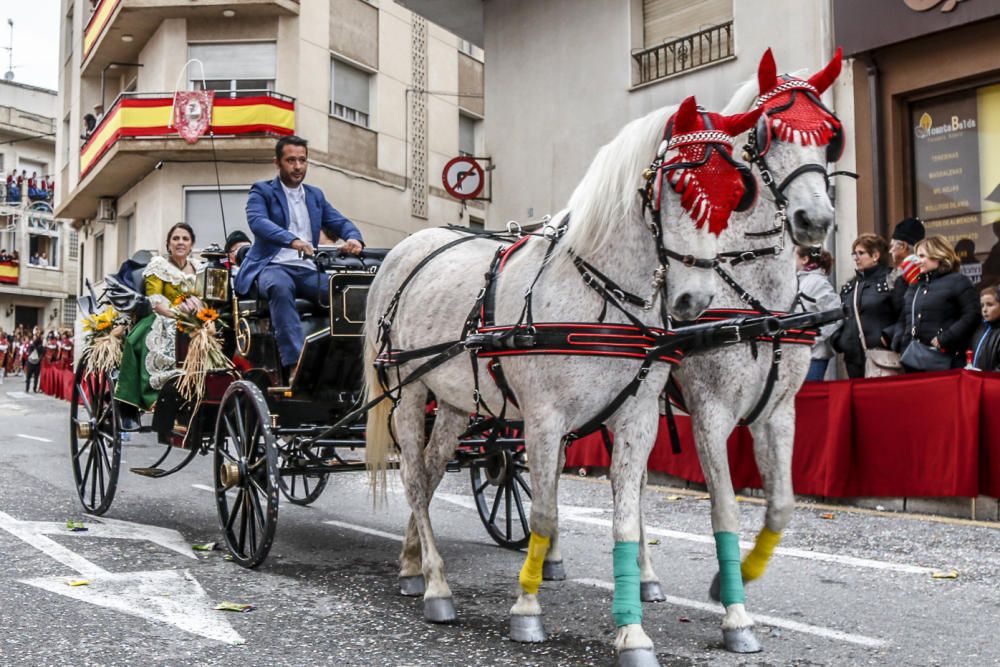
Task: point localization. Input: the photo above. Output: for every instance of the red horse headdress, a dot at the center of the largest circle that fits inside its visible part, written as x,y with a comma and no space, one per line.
793,106
702,170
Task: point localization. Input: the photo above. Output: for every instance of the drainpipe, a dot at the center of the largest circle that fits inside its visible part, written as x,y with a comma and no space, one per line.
875,109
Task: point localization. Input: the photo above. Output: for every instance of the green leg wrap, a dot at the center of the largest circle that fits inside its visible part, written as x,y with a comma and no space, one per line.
627,607
727,549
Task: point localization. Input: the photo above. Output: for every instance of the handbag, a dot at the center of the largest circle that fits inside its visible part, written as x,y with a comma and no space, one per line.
878,363
33,358
920,356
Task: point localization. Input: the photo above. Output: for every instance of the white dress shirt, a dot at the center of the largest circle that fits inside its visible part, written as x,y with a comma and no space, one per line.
298,224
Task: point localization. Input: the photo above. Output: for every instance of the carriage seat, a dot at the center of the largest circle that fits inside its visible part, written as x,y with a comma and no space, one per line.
252,303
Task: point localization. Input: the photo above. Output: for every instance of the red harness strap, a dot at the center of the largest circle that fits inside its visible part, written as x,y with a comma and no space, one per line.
793,336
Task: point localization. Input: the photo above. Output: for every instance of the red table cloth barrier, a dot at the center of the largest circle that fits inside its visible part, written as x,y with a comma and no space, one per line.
926,434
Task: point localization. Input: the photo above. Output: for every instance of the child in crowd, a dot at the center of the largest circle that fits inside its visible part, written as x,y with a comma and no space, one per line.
986,342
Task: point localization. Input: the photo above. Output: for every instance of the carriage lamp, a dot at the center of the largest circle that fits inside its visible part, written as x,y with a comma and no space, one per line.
213,277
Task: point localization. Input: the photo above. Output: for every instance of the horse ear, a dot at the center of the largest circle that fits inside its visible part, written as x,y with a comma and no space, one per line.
686,115
822,79
767,72
741,122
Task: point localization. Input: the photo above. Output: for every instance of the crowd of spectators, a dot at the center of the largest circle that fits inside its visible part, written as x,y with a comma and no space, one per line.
19,185
26,351
908,308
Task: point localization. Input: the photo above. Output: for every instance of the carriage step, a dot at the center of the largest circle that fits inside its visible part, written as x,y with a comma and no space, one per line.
148,472
453,466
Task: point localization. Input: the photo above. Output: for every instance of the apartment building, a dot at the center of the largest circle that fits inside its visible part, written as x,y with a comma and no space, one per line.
38,251
384,97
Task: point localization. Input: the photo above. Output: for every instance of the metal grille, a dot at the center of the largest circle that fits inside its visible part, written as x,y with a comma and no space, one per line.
418,118
69,313
690,52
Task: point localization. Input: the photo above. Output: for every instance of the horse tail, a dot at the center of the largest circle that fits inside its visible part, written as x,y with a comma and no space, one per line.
378,438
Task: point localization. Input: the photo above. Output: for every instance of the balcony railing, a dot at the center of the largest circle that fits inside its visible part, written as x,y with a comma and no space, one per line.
148,116
686,53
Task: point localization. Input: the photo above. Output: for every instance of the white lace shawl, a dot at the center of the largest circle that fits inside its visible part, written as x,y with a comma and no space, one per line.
167,271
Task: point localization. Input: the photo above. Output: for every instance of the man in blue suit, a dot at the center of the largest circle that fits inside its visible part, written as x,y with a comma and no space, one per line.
286,217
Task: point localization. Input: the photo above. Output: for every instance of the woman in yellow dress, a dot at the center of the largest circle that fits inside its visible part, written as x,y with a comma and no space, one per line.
148,357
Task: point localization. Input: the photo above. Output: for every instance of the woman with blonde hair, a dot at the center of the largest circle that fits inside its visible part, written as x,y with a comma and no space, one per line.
940,311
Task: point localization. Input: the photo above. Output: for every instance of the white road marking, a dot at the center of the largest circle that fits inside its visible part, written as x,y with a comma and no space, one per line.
817,630
167,596
203,487
366,530
581,515
32,437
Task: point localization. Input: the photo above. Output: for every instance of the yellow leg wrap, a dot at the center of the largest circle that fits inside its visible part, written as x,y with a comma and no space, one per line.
756,561
531,571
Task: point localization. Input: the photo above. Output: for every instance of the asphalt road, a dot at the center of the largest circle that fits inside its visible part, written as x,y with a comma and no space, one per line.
851,588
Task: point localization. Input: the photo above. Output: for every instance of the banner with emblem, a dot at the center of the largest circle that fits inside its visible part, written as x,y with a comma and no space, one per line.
192,113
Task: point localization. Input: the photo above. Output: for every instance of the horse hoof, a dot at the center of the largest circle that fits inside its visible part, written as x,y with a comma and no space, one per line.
714,589
740,640
527,629
412,586
650,591
439,610
637,657
553,571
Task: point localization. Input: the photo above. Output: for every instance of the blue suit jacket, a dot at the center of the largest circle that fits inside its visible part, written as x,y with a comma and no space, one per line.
267,215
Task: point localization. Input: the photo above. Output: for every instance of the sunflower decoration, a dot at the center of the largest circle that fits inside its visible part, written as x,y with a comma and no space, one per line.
207,315
104,332
204,352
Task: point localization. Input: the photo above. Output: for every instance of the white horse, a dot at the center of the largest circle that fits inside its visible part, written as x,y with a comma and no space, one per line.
723,386
608,228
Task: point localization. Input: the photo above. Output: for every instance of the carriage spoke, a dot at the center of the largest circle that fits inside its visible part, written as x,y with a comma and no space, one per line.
258,511
86,472
496,504
251,522
479,489
93,480
233,510
520,508
522,484
82,449
507,507
244,517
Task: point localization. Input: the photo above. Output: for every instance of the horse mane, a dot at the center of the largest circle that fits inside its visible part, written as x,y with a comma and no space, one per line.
607,196
743,99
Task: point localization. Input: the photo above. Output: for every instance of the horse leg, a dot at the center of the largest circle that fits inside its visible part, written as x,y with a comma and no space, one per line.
552,567
635,433
408,421
773,443
649,584
439,450
737,626
543,459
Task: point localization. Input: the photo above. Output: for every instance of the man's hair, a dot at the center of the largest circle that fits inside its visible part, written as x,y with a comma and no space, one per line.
290,140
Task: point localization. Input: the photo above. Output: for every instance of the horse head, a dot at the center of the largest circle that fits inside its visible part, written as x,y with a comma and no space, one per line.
695,162
794,140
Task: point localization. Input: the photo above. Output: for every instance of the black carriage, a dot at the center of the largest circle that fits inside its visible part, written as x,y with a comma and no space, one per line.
267,433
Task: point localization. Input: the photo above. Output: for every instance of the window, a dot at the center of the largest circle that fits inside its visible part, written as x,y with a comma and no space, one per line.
43,237
99,258
468,135
350,93
8,234
68,34
74,245
202,212
125,227
233,67
680,35
69,313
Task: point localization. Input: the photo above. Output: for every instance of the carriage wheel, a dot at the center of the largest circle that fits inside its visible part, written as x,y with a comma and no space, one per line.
500,488
302,488
246,474
94,440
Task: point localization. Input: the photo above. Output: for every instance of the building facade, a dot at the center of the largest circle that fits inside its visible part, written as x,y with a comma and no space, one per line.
565,76
927,91
38,251
384,97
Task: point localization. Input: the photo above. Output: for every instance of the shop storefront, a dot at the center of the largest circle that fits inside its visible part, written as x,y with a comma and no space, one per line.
927,111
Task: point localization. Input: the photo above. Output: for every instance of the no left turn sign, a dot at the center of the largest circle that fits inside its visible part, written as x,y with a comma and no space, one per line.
463,178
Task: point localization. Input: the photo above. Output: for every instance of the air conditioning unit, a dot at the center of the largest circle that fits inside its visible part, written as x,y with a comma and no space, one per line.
106,209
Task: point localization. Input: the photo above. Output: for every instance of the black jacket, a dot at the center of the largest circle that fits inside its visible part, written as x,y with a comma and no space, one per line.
877,309
986,348
946,307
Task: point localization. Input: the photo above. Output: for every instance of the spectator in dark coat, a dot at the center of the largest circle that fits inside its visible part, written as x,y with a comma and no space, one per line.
871,289
986,343
33,362
941,310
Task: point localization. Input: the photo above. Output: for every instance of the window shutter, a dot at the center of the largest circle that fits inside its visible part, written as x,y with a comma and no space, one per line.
201,211
246,60
666,20
350,86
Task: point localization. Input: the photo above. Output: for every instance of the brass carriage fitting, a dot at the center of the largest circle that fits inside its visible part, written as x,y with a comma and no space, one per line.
83,430
274,419
229,475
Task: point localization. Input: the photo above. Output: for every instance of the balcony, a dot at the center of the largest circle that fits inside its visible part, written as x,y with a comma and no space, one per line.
104,36
691,52
136,134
